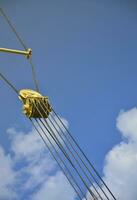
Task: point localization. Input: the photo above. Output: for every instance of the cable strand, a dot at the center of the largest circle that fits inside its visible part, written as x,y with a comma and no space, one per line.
68,140
91,174
77,192
62,149
8,83
68,148
13,28
92,166
34,75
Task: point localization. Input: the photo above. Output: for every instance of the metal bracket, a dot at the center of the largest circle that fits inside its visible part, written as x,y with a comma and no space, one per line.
27,53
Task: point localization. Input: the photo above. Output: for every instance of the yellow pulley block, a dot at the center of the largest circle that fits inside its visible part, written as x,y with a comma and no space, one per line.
34,104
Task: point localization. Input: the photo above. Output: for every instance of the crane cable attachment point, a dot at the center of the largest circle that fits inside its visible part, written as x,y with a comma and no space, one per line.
32,99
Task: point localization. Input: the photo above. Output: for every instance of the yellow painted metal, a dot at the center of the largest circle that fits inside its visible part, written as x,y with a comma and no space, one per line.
27,53
34,104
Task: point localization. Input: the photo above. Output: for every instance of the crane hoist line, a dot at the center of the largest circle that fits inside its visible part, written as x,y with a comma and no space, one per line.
79,171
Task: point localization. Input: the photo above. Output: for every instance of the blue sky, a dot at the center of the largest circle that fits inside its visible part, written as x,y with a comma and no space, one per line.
85,57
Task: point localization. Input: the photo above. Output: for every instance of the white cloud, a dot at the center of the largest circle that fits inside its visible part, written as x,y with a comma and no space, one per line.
121,162
28,167
25,145
38,171
56,187
7,176
30,149
127,124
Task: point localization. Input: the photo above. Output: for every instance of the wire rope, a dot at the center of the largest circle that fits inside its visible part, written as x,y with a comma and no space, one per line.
73,149
69,159
23,45
8,83
64,134
84,155
34,75
13,28
86,167
68,148
63,170
62,149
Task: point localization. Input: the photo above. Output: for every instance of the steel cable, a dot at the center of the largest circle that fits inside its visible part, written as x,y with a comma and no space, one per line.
64,134
62,149
86,167
63,170
84,155
70,161
8,83
23,45
13,29
68,148
72,147
54,139
34,75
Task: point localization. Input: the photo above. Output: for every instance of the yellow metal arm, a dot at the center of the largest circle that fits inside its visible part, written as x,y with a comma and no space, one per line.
27,53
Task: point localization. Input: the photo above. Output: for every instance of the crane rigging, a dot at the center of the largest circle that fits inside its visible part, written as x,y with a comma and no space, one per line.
79,171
